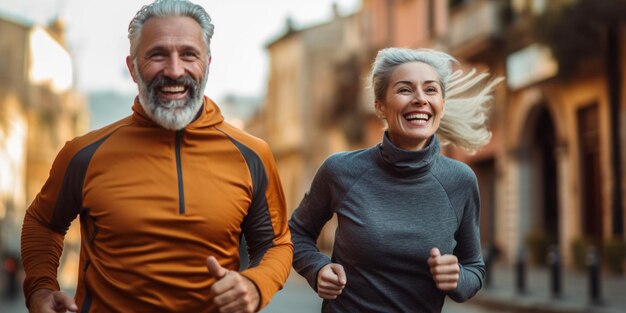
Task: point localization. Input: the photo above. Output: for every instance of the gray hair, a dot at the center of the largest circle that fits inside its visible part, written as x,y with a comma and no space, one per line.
165,8
468,95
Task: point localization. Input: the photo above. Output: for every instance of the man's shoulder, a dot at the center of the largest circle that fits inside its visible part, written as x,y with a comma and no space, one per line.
86,144
244,138
95,136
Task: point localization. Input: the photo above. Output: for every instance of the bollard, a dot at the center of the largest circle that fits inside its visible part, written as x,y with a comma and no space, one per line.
593,260
554,263
520,273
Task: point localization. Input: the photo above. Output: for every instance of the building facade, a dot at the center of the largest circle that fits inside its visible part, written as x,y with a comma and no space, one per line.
552,174
39,111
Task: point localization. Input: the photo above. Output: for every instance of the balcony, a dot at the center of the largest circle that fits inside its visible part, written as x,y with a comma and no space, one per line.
473,25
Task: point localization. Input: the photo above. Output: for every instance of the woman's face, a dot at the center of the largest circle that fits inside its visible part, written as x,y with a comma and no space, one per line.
413,105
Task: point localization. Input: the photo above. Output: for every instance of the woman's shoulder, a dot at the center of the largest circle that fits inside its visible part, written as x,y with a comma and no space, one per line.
347,163
454,170
349,158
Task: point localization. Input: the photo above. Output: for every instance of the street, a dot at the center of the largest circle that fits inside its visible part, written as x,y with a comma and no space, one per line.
297,296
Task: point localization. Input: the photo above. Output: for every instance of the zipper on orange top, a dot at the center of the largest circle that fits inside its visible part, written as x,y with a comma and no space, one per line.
179,169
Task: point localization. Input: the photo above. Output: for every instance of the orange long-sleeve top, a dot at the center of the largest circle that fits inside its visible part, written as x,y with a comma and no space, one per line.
153,204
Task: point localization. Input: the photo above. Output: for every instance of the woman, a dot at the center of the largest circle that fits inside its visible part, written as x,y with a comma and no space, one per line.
408,217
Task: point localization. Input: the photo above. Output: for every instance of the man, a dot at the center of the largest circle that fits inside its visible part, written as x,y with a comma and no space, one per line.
163,195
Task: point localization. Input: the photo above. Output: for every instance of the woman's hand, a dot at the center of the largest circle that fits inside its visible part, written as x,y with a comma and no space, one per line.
445,269
331,280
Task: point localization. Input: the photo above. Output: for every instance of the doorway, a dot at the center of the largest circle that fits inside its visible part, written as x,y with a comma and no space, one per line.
539,207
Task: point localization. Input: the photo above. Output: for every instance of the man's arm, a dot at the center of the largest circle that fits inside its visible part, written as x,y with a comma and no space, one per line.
266,231
232,291
46,300
41,250
45,224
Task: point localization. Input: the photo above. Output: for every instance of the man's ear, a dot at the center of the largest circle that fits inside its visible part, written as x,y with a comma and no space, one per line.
208,64
131,67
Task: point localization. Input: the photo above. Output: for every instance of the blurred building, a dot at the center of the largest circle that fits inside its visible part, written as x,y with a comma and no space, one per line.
237,109
305,116
39,111
108,106
563,160
552,174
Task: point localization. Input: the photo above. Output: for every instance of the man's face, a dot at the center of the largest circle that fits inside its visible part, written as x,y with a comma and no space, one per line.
170,69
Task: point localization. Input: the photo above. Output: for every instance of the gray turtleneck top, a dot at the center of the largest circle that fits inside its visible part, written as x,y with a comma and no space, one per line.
393,206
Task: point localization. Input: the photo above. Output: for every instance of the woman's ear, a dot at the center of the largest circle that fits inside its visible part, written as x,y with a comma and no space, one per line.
443,108
379,108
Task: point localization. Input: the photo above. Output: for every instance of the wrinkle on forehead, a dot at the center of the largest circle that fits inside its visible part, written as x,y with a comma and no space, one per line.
171,32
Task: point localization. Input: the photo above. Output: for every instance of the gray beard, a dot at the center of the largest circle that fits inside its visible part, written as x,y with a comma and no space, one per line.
171,114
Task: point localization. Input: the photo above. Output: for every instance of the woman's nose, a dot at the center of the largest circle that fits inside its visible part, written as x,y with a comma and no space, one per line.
420,97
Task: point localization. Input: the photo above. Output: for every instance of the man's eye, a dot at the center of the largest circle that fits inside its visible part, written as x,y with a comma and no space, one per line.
189,56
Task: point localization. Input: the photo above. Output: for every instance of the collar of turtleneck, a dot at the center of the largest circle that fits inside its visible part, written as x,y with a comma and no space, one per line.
406,163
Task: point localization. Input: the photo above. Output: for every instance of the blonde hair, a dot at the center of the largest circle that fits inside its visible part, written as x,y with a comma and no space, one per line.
468,95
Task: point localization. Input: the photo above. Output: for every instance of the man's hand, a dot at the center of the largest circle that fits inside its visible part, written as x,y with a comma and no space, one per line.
48,301
445,269
331,280
232,291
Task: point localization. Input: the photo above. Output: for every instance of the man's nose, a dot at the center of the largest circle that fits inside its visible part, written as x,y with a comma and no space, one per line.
173,68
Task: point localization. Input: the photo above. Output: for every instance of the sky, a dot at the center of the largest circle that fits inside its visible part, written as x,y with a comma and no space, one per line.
96,34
